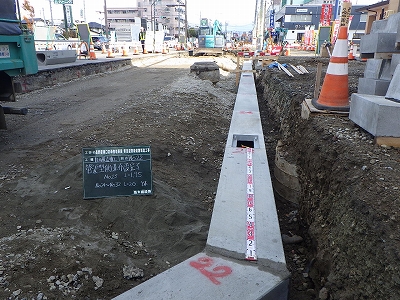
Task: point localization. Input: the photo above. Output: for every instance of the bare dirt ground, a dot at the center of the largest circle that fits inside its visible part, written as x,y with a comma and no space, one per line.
55,245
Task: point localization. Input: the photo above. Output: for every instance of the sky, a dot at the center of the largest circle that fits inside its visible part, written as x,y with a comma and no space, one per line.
237,15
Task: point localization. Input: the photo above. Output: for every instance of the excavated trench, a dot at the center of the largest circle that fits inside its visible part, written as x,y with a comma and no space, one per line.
347,213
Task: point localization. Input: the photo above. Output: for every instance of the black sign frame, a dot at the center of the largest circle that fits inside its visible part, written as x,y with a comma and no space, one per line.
116,171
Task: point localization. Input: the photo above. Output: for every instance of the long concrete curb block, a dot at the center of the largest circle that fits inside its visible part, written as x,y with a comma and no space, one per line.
221,271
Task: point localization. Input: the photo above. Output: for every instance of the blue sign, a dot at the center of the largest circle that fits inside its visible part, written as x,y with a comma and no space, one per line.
63,1
271,18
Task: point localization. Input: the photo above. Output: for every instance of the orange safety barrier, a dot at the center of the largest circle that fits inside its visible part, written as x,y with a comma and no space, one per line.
335,88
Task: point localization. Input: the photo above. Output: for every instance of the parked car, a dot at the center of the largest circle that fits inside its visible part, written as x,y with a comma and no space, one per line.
170,41
99,41
59,37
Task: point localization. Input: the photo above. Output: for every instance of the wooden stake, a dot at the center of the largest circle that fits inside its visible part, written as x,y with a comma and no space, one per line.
317,80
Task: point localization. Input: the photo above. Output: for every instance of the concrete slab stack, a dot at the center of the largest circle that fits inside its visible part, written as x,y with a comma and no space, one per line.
382,38
376,106
380,47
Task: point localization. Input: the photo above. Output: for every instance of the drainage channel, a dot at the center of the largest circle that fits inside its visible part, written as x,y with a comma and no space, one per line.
243,257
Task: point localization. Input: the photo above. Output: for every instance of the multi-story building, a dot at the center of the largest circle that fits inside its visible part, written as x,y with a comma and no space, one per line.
161,15
125,22
167,15
297,19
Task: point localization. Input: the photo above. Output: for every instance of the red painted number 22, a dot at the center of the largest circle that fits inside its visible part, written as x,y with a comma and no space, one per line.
205,262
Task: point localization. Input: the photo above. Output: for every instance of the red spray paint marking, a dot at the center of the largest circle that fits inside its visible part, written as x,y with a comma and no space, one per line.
243,112
205,262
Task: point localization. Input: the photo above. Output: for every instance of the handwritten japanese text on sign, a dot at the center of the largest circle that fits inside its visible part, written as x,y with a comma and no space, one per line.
117,171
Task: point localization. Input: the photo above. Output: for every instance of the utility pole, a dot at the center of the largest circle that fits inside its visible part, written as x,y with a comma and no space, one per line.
65,21
105,17
51,13
186,24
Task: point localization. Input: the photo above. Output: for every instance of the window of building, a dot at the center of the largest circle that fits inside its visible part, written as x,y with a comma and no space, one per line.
298,18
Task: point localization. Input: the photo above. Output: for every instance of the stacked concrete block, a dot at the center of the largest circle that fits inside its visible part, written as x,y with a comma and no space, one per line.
379,115
376,106
382,39
393,92
380,47
376,78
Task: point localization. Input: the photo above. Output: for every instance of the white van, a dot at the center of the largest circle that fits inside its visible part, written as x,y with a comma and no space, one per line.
170,41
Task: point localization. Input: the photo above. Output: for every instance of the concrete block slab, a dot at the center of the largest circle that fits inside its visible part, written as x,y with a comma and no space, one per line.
390,24
227,234
394,87
377,115
385,70
381,42
398,37
395,61
221,271
206,277
54,57
371,86
373,68
206,70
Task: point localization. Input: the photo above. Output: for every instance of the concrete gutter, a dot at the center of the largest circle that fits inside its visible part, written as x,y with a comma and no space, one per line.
221,270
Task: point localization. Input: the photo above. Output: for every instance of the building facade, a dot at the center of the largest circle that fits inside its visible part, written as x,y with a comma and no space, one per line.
297,19
166,15
154,15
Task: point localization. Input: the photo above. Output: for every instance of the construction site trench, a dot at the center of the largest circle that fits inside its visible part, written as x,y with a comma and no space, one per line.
343,234
348,207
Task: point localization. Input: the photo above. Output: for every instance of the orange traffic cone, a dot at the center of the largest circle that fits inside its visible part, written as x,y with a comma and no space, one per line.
335,89
135,50
144,51
109,54
286,51
164,50
103,49
351,53
124,51
269,49
92,55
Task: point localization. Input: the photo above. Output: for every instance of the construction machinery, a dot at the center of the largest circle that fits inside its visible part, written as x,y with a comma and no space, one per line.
17,55
211,38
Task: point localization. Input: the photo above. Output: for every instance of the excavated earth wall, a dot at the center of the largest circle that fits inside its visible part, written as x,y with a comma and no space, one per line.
349,202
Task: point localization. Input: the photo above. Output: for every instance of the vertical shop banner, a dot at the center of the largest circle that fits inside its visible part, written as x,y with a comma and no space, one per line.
326,14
